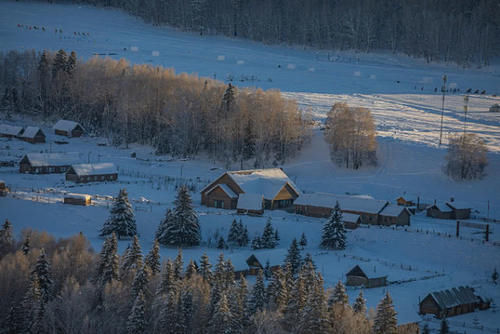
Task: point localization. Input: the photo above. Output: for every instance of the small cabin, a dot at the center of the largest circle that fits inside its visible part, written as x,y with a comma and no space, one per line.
357,277
77,199
10,131
250,204
460,210
68,128
395,215
452,302
440,210
405,202
351,220
99,172
33,135
4,190
48,163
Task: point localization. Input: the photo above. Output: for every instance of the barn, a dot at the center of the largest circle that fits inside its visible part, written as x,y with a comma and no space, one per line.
452,302
47,163
99,172
68,128
440,210
405,201
251,204
351,220
322,204
77,199
394,215
460,210
10,131
357,277
276,188
33,135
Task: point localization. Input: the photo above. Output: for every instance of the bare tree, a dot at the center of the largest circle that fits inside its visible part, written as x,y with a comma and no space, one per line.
466,158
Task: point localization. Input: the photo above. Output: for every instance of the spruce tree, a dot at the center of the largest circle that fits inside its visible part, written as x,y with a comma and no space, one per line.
267,270
166,225
385,320
140,282
222,318
293,257
42,272
276,236
228,101
258,297
333,236
360,304
339,295
303,241
234,235
313,317
6,239
205,268
241,315
60,62
168,281
132,258
267,239
256,242
153,259
191,269
136,322
308,259
71,63
31,305
108,266
249,143
244,237
221,244
121,220
26,244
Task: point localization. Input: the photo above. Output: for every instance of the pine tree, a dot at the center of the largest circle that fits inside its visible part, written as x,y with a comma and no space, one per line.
42,272
185,312
136,322
293,257
153,259
31,305
241,316
191,269
426,329
313,317
385,320
256,242
121,220
221,244
360,304
222,319
6,239
234,235
244,237
267,270
59,62
249,140
339,295
308,259
205,268
26,244
163,231
333,236
258,297
168,281
267,239
140,282
108,266
132,258
494,276
303,241
277,290
71,63
228,101
444,328
178,265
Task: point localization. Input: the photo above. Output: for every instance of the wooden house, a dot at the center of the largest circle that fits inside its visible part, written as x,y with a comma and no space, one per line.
455,301
394,215
77,199
351,220
322,204
405,202
68,128
99,172
460,210
277,190
357,277
33,135
10,131
4,190
449,210
251,204
46,163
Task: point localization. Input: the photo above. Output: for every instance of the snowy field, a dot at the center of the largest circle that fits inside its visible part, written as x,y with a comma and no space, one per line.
423,258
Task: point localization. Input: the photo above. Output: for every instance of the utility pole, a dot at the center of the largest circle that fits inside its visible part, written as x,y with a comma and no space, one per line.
466,108
443,90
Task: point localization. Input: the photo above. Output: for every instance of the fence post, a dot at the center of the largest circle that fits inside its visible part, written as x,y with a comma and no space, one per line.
458,228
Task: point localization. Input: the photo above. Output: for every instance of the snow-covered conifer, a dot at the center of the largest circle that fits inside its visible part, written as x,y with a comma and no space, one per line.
121,220
339,295
136,322
360,304
333,236
258,297
153,259
385,320
293,257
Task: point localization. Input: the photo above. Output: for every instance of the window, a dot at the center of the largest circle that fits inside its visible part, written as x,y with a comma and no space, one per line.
52,170
219,203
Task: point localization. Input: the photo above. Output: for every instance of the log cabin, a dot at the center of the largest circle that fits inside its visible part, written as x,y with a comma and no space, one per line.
48,163
99,172
276,188
33,135
394,215
250,204
68,128
10,131
449,210
452,302
357,277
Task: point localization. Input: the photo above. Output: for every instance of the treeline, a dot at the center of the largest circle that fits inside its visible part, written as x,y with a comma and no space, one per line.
182,115
462,31
62,286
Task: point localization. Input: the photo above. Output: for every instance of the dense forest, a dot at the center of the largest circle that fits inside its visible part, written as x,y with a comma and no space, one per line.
182,115
62,286
461,31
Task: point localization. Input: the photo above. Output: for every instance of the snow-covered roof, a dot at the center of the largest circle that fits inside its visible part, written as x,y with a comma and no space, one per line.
350,217
392,210
454,297
249,201
10,130
95,169
226,189
458,205
267,182
53,159
77,196
348,203
30,132
65,125
442,207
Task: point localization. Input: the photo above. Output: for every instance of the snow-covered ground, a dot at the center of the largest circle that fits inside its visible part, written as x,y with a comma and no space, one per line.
407,113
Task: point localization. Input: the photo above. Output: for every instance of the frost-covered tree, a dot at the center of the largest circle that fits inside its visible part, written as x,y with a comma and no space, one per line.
303,240
140,282
234,234
257,242
339,295
360,304
205,268
221,243
153,259
122,219
385,320
333,236
267,239
32,306
26,244
222,319
258,296
132,259
191,269
108,265
43,273
136,322
293,257
6,238
494,276
466,158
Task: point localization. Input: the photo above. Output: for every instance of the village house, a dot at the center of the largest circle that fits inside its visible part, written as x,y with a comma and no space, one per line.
4,190
357,277
405,202
449,210
33,135
394,215
77,199
98,172
68,128
460,210
351,220
10,131
322,204
452,302
276,189
251,204
46,163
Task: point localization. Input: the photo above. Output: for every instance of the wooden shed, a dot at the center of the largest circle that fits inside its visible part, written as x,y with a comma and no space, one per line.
460,210
394,215
99,172
68,128
47,163
251,204
405,202
357,277
10,131
440,210
452,302
33,135
77,199
4,190
351,220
